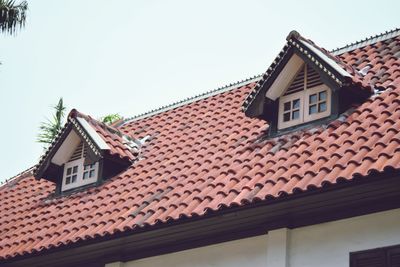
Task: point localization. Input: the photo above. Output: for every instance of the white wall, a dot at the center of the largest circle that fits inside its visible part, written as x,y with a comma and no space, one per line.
327,244
244,252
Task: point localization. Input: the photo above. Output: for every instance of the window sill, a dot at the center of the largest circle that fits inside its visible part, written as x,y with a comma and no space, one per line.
323,122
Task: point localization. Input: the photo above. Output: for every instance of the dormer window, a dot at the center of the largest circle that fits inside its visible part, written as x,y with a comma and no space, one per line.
76,172
306,99
304,85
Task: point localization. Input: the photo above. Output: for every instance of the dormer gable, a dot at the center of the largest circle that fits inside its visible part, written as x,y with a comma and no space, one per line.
85,153
305,99
305,84
81,169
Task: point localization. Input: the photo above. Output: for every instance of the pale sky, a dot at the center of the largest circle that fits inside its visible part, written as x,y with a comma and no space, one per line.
132,56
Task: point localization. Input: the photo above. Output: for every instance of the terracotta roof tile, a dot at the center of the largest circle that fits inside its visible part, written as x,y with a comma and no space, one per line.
112,136
206,155
356,77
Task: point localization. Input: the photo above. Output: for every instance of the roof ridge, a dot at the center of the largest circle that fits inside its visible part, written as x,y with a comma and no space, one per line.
191,99
367,41
12,178
77,113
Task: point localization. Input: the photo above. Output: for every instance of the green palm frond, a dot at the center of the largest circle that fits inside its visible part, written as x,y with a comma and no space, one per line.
111,118
49,129
12,15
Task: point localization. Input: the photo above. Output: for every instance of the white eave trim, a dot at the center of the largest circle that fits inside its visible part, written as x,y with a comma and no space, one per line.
285,77
101,144
325,58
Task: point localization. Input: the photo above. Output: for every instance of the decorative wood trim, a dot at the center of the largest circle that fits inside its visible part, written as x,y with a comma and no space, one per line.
100,143
45,159
254,103
86,137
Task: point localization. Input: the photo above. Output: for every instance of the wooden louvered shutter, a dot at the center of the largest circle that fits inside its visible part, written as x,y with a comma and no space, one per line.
297,84
313,78
381,257
306,78
369,258
393,257
77,153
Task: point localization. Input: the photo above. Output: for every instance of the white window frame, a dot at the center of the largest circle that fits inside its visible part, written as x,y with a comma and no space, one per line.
316,90
304,96
79,181
285,124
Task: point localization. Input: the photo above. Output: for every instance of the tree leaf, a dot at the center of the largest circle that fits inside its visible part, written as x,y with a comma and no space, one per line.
49,129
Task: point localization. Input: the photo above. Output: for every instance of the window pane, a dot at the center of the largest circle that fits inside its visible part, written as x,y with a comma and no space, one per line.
75,170
296,103
312,109
313,98
286,116
295,114
91,173
85,175
86,167
322,95
322,107
68,180
73,180
69,171
286,106
92,165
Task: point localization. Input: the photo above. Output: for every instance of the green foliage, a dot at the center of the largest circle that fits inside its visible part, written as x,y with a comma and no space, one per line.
49,129
111,118
12,15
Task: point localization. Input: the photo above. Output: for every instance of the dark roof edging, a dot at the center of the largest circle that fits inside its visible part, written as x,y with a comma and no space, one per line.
367,41
19,175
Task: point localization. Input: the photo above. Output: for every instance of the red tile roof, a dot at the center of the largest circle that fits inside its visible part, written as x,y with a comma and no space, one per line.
206,156
355,76
111,135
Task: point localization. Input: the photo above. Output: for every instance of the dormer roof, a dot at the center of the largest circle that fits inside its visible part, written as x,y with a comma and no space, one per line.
299,49
103,140
114,142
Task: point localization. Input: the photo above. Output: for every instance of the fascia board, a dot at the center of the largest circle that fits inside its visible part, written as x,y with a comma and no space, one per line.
326,59
101,144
